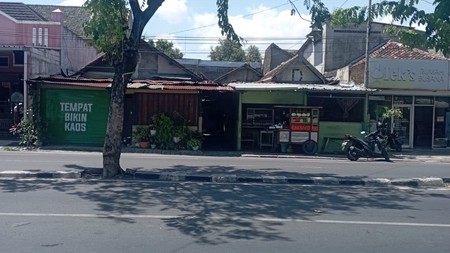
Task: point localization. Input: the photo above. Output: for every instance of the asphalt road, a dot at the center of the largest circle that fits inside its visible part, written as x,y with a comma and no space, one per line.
142,216
62,160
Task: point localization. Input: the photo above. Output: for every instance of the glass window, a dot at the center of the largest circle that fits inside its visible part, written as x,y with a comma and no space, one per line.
402,100
424,100
4,61
377,105
18,57
441,122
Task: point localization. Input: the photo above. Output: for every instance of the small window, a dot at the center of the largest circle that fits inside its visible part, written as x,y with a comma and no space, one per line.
34,36
4,61
40,36
46,37
297,75
18,57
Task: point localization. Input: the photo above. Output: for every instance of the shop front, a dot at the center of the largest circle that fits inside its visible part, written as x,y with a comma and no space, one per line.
298,118
424,121
420,90
280,127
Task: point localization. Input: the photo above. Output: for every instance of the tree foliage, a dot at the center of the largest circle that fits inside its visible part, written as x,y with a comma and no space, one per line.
167,47
228,50
437,23
253,54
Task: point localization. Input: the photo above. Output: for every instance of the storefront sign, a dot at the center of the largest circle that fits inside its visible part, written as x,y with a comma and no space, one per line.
75,116
409,74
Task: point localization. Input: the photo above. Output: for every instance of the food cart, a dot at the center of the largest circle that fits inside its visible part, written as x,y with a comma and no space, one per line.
300,128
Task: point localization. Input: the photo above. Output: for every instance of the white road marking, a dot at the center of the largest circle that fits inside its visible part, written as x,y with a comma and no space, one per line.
133,216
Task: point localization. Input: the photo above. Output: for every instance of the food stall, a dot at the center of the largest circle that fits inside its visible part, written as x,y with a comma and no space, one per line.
300,127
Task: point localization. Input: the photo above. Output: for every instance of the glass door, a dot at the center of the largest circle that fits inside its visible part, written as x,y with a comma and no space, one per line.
402,125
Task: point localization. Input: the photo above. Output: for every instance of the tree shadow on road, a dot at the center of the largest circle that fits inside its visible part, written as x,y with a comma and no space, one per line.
222,213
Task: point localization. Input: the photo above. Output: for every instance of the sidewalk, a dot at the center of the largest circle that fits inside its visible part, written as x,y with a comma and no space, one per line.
243,177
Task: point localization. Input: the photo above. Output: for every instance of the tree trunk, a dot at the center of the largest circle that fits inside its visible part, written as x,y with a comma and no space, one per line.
112,147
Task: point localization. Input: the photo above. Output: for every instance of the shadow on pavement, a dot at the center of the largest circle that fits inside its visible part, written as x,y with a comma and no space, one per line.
222,213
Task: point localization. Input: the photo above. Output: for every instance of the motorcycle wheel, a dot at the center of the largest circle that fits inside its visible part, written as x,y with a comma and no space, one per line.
351,155
385,155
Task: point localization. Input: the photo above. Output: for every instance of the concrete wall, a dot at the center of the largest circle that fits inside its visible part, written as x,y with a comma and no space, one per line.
75,52
307,75
342,45
43,62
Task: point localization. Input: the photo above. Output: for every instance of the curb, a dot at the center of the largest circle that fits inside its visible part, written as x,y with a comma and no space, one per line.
427,182
41,175
342,181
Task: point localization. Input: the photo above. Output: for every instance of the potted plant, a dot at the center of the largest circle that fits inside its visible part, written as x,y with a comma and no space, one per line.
152,130
152,141
143,136
194,144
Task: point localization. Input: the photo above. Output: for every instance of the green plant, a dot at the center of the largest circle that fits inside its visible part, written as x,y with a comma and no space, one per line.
142,133
391,112
164,131
27,132
194,143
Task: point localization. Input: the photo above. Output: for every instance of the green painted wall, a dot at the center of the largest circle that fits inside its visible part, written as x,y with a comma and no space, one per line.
336,130
273,97
75,117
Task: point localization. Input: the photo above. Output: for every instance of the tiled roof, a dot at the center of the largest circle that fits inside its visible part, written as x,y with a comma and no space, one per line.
74,16
20,12
396,50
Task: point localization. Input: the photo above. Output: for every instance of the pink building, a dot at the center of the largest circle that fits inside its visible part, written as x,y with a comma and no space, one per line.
37,40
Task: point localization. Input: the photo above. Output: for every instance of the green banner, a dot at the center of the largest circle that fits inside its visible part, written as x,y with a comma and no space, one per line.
75,117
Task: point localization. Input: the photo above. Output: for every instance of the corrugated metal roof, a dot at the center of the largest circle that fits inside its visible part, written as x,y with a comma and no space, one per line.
289,86
135,84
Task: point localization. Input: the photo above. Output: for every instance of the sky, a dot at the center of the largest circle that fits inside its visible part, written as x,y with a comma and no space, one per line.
192,24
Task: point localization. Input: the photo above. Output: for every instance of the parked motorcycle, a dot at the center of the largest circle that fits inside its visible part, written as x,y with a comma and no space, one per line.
394,142
370,146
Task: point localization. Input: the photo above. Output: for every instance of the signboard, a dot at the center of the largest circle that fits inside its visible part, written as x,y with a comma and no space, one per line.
75,116
409,74
299,136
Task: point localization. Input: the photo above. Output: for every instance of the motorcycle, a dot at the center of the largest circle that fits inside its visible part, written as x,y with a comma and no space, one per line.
394,142
370,146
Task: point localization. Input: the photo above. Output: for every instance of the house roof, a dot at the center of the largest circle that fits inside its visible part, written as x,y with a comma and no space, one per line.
269,57
270,76
295,87
103,65
20,12
74,16
396,50
243,67
134,84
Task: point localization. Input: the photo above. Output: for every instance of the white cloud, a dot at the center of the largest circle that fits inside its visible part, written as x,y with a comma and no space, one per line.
73,2
173,11
262,29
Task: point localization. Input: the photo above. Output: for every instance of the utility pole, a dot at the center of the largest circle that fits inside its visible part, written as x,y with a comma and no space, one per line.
369,19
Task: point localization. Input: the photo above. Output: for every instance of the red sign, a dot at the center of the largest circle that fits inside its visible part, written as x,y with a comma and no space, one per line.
300,127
